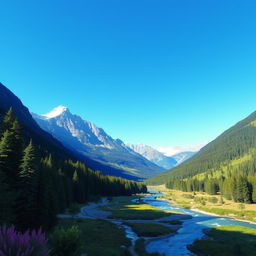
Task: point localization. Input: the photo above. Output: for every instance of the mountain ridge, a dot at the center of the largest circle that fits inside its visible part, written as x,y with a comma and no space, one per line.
9,100
183,156
232,151
93,142
153,155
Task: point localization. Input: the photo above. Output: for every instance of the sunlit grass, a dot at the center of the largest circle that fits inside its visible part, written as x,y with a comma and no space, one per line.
124,208
228,208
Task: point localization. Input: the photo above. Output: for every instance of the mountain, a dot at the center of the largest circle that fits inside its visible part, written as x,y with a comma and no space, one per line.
31,128
234,151
183,156
86,139
39,177
153,155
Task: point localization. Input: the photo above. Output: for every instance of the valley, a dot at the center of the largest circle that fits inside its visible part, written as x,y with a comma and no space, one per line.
206,201
155,226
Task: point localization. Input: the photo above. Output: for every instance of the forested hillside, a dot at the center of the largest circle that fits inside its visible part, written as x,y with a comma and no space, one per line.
36,183
226,165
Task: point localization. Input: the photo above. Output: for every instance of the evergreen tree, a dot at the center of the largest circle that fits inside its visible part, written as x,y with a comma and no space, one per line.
27,206
8,120
8,157
254,191
7,197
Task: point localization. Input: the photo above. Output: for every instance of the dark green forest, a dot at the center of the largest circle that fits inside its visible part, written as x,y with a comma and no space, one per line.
36,184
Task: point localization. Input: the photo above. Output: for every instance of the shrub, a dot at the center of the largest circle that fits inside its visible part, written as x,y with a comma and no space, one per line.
74,209
13,243
66,242
221,200
200,200
213,200
241,207
188,196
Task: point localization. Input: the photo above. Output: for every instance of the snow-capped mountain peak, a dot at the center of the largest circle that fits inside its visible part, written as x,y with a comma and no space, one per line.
92,142
56,112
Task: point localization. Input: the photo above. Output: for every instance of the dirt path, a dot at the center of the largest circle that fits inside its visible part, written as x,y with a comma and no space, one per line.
92,210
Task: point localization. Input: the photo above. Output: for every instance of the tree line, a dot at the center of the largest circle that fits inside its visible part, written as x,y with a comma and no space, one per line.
35,184
237,187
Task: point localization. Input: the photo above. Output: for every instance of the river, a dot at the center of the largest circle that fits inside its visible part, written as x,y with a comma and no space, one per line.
191,230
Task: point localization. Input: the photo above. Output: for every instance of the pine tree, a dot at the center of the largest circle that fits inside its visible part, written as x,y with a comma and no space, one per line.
26,204
7,197
254,191
8,120
7,155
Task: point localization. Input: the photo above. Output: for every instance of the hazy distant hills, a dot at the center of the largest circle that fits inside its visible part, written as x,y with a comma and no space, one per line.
93,142
234,151
154,156
183,156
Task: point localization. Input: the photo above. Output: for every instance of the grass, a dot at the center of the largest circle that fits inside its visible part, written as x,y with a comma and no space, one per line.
140,249
123,208
74,208
244,215
172,222
150,230
228,241
227,208
99,237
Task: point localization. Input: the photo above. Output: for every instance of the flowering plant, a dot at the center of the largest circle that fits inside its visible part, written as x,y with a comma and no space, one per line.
13,243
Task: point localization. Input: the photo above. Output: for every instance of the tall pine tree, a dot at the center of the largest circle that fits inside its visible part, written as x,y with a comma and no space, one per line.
27,206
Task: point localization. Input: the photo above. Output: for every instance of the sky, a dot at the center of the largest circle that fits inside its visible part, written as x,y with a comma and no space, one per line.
168,73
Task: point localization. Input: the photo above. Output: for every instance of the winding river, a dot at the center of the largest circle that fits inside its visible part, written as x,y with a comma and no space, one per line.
191,230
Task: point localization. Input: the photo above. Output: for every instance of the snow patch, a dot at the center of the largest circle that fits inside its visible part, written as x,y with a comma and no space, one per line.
56,112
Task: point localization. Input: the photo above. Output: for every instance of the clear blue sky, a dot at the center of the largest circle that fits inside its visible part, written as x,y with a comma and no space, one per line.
167,72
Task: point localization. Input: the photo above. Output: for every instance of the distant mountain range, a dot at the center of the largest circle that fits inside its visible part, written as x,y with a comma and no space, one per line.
87,139
183,156
153,155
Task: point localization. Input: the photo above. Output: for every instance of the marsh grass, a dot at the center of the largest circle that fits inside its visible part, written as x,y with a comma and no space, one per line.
150,230
124,208
172,222
99,237
227,241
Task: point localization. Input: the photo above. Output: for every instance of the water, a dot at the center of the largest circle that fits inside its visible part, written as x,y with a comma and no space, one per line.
191,230
128,231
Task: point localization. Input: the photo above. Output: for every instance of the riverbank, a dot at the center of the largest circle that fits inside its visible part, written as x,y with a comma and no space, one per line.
212,205
226,216
184,226
227,241
138,220
192,235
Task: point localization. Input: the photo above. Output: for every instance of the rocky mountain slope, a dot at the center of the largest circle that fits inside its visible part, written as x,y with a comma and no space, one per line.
93,142
154,156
